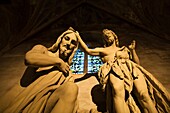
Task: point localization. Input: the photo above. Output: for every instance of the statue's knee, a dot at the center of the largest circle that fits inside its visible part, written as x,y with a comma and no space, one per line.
70,91
144,96
118,89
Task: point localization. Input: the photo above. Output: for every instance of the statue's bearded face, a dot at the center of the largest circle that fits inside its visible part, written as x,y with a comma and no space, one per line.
67,45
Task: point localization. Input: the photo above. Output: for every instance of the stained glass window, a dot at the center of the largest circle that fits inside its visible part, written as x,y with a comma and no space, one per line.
77,66
78,63
94,63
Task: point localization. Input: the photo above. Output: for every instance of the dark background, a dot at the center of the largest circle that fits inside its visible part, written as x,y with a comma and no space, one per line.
24,23
28,19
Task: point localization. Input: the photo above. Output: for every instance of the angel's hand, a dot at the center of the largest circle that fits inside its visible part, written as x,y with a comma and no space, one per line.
132,46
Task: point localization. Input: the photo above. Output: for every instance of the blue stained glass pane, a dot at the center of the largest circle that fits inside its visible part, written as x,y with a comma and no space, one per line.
94,63
77,66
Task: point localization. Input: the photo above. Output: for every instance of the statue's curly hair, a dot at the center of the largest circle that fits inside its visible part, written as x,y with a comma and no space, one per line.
115,36
55,46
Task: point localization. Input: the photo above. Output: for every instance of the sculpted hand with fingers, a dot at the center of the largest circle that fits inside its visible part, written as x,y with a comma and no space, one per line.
51,91
128,86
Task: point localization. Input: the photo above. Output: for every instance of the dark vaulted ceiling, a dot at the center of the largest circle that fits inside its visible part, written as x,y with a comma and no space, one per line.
24,19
